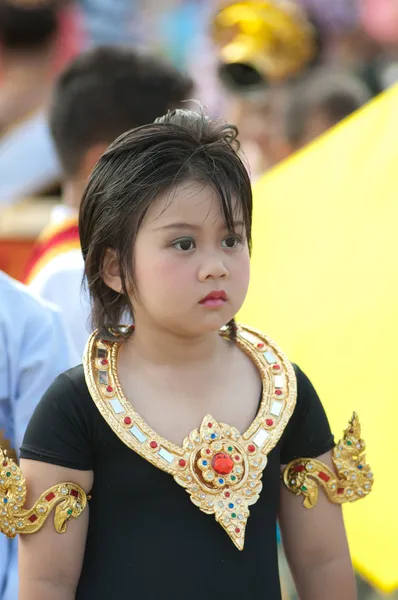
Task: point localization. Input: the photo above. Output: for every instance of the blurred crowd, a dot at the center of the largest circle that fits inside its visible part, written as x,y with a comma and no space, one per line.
76,74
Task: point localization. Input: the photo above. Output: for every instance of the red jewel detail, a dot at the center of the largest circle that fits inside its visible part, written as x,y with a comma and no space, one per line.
323,476
251,448
340,490
260,345
298,469
109,389
351,431
209,424
227,494
222,463
127,420
132,327
104,361
237,457
237,530
74,493
278,392
269,422
33,518
5,463
276,367
182,462
153,444
50,496
208,451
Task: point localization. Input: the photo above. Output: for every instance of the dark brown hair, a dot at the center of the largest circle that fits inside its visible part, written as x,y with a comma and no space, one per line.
106,91
28,26
141,164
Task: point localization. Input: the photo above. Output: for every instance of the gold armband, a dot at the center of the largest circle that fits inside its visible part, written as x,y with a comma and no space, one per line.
69,500
353,481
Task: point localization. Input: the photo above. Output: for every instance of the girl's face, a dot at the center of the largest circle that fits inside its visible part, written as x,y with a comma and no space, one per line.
191,274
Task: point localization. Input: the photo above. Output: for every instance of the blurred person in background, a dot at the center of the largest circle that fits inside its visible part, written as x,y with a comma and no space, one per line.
28,36
286,64
28,50
101,94
35,349
304,110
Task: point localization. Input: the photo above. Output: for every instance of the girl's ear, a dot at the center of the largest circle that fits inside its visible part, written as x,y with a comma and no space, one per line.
111,271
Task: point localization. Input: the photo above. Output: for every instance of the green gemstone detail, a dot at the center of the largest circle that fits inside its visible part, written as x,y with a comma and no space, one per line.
230,448
8,474
303,488
70,511
233,515
349,443
233,477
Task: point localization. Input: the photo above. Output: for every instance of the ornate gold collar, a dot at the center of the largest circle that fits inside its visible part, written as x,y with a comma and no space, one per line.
218,466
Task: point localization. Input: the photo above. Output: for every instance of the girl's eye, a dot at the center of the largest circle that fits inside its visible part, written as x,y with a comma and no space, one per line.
231,241
184,244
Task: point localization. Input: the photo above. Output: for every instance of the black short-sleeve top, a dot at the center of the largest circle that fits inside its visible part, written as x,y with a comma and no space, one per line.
146,539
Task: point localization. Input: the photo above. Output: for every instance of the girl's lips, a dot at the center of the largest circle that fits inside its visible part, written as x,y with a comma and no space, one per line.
212,302
214,299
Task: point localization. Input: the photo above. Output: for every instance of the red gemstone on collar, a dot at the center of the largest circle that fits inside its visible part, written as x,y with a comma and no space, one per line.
340,491
298,469
237,530
74,493
227,494
153,444
104,361
208,451
109,389
33,518
5,463
278,392
127,420
323,476
269,422
276,367
251,448
209,424
182,462
50,496
222,463
260,345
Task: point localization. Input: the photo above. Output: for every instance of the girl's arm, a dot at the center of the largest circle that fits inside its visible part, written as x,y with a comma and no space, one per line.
50,563
316,546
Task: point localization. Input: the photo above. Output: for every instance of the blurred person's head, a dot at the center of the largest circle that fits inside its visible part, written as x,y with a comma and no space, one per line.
27,27
306,109
101,94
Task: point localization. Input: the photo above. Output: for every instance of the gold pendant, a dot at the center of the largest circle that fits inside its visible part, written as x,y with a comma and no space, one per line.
353,481
223,474
219,467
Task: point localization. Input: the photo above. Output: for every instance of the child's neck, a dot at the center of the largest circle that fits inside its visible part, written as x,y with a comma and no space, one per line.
167,348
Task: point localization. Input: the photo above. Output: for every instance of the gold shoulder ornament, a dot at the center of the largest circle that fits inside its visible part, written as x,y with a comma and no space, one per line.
220,467
68,499
350,480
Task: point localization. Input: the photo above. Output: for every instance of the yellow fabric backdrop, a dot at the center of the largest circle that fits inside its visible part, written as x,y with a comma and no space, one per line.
325,287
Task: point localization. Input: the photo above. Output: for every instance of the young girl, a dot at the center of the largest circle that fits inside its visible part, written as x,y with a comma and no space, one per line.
179,426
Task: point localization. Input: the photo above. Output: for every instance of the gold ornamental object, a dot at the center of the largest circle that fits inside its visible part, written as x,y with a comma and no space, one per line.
351,479
262,43
68,499
219,467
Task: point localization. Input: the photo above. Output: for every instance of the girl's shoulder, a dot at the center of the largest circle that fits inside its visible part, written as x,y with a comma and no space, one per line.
63,424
